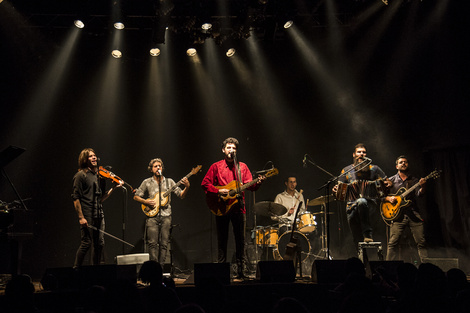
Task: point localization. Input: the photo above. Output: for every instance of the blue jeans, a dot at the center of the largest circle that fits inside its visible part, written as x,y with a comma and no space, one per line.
158,237
359,213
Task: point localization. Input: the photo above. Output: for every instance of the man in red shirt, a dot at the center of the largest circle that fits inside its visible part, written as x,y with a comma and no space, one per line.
220,185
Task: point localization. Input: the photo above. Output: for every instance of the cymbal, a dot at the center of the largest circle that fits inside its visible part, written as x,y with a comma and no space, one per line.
268,208
321,200
322,212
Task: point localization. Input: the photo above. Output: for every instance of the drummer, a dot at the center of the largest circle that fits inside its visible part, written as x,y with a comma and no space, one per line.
290,198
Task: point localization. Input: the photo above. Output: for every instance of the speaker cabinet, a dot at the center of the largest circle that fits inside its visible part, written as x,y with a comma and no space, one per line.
329,271
386,269
444,264
275,271
206,273
105,275
59,278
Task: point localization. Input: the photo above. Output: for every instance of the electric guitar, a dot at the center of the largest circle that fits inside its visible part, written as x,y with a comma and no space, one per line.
390,211
151,211
221,204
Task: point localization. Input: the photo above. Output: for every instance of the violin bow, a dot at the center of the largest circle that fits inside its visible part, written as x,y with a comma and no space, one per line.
119,239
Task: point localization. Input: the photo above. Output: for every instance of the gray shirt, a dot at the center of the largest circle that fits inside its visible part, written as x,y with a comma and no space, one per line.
149,188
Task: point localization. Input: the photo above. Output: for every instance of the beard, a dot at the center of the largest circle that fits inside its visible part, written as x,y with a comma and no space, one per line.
363,173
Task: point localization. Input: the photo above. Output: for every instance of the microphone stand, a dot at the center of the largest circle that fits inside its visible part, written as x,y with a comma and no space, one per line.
325,240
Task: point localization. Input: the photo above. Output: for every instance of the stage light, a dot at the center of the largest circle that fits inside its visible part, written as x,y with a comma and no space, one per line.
79,23
206,26
288,24
116,54
191,52
230,52
155,52
119,25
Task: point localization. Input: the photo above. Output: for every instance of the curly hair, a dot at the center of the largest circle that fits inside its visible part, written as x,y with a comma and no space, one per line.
153,161
230,140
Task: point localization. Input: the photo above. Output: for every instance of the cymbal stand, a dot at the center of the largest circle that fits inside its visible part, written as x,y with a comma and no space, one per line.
324,251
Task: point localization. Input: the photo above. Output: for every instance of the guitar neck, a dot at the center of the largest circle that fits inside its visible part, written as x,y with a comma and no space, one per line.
407,192
176,185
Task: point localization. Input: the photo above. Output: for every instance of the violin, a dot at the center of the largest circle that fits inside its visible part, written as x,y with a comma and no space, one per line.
110,175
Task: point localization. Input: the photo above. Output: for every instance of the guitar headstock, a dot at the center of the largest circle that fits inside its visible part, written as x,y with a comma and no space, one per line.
434,174
195,170
272,172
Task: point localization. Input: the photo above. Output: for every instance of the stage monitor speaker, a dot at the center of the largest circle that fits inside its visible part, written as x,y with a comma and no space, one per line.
329,271
444,264
59,278
206,273
275,271
105,275
129,259
387,269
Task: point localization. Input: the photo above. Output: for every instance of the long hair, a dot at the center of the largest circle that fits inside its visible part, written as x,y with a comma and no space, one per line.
83,158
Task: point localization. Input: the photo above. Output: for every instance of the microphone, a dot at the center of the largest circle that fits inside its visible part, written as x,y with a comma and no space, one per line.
305,161
159,172
368,159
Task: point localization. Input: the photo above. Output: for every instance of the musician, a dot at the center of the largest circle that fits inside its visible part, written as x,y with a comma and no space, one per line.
410,216
360,210
88,194
219,174
157,228
290,198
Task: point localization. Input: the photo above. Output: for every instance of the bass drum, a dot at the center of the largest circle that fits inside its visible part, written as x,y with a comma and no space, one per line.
302,242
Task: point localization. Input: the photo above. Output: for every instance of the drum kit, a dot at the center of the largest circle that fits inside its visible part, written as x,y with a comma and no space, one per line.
276,237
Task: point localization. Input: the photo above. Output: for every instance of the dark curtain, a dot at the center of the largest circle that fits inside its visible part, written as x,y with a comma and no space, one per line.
447,210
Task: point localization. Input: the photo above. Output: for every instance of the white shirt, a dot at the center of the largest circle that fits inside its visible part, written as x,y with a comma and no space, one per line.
289,202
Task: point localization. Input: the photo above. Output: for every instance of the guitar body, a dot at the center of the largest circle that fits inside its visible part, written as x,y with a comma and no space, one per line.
391,211
152,211
221,205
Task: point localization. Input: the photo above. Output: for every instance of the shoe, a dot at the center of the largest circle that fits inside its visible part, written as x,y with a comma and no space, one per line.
367,240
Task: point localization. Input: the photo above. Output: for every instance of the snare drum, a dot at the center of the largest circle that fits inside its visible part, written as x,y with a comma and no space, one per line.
306,222
266,236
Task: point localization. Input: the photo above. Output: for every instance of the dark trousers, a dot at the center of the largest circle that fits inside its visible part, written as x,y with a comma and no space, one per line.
396,231
91,238
238,221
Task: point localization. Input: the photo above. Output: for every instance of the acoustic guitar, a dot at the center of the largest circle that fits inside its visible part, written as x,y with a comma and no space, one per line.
391,211
221,204
151,211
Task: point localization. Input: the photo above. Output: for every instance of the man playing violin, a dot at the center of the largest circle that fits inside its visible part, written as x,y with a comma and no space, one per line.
157,227
88,194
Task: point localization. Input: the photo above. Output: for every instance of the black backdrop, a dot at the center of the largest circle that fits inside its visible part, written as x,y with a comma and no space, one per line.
401,91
